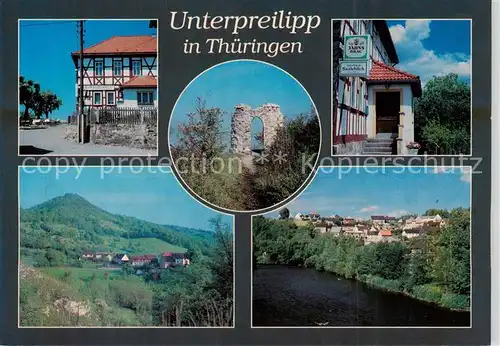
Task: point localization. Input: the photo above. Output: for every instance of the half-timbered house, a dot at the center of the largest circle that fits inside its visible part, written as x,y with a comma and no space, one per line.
121,71
372,114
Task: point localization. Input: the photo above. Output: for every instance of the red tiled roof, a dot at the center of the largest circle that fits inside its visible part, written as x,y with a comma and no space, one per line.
122,45
141,82
385,233
381,72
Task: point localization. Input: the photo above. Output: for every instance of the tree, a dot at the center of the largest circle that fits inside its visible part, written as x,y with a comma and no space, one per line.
29,92
202,135
50,103
442,115
284,214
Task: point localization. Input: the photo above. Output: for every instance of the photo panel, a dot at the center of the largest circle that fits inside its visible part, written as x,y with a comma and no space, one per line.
119,247
105,106
238,141
357,258
401,87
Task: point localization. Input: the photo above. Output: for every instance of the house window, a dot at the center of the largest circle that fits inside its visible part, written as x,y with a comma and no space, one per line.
98,68
341,90
353,93
110,98
145,97
136,68
117,68
97,98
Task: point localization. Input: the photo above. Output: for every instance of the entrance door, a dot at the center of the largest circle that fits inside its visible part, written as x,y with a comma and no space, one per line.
387,108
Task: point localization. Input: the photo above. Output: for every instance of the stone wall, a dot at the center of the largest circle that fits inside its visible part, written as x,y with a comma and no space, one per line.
350,148
131,136
241,123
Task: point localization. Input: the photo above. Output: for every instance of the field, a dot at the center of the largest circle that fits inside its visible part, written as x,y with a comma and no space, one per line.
138,246
79,273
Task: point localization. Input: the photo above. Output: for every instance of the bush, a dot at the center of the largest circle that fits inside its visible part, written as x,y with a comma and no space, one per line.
377,281
455,301
429,292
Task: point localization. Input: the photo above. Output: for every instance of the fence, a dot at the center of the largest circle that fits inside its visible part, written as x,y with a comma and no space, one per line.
121,116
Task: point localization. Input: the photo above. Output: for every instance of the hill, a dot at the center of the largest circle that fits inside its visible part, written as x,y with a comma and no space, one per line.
57,288
58,231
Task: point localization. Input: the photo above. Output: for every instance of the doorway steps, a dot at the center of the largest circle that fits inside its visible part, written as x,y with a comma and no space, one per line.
378,146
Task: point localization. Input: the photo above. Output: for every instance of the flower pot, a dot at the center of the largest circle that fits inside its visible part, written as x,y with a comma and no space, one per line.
412,151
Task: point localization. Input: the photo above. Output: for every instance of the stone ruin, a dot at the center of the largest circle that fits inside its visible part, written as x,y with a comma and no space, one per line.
241,123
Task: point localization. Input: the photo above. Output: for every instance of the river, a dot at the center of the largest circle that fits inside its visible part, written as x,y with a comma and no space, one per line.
291,296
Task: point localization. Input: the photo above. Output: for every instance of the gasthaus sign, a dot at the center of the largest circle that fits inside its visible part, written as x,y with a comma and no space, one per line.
356,47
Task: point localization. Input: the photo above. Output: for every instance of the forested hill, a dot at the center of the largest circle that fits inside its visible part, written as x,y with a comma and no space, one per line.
70,224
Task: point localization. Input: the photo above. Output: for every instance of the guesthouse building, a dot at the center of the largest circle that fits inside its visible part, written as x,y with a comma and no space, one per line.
121,71
373,100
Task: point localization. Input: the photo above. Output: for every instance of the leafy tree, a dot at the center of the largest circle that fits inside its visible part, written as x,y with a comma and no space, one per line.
29,92
442,116
201,137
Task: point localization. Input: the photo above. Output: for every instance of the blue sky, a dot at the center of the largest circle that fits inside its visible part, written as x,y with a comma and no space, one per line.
366,191
249,82
149,194
45,51
433,47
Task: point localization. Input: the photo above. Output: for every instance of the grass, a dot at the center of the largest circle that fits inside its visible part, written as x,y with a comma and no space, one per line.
78,273
140,246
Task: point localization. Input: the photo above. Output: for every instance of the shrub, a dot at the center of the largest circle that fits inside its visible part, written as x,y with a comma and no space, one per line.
428,292
455,301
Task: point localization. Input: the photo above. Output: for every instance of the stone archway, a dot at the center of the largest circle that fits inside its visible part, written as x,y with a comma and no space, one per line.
241,122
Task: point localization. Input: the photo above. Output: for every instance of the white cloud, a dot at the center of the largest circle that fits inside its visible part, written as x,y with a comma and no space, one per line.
368,209
466,175
398,213
416,59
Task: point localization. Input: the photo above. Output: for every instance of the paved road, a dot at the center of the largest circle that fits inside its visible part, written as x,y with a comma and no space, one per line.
51,141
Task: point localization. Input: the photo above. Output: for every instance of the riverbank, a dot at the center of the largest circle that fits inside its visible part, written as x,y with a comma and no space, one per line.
428,293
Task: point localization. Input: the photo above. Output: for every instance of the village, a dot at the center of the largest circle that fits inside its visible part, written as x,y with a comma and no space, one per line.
376,229
117,261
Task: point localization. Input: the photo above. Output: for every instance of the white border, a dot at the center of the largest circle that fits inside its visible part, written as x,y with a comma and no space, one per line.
156,153
368,327
495,175
173,159
21,167
332,130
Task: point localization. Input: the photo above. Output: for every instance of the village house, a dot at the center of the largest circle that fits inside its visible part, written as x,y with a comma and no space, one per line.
413,232
386,236
381,219
373,110
172,259
353,231
435,221
336,230
348,221
322,227
142,260
120,258
121,71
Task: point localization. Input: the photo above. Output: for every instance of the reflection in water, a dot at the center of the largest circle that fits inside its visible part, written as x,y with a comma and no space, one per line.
290,296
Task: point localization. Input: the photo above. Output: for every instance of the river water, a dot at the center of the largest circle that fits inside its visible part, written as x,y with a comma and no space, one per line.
291,296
